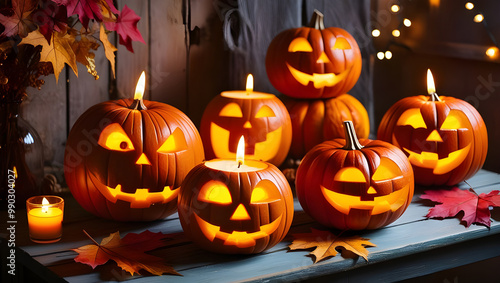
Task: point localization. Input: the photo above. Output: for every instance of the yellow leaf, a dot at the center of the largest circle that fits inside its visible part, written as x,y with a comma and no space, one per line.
58,52
109,48
325,244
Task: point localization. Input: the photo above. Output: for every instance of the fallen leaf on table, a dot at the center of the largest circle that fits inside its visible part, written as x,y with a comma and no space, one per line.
474,206
326,244
128,252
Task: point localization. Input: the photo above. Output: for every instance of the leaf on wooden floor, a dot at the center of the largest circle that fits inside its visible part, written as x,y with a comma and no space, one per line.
474,206
128,252
325,244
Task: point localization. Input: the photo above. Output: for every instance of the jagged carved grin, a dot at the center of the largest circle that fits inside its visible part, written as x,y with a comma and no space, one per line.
142,198
431,160
319,80
241,239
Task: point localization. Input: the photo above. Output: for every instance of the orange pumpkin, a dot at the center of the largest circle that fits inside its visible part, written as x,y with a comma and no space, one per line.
315,121
260,117
351,184
444,137
313,61
246,211
126,159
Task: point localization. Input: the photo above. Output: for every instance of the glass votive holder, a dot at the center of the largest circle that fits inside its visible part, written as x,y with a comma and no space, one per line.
45,216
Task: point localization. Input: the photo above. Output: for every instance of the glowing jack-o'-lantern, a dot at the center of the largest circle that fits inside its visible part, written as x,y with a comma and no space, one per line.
317,120
444,137
313,61
227,208
351,184
260,117
126,159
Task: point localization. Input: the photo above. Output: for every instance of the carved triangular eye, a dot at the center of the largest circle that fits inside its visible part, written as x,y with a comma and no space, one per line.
113,137
231,110
176,142
265,111
264,192
341,43
350,174
412,117
215,192
454,120
387,170
300,44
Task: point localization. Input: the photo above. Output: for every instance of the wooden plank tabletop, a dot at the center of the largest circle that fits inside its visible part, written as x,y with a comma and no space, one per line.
411,246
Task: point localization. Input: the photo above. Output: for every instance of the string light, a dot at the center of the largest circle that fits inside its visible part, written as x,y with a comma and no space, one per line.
380,55
492,52
396,33
395,8
478,18
407,22
388,54
469,6
375,33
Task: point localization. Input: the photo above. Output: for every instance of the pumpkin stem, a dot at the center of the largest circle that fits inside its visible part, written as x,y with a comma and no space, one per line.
434,97
317,20
351,140
138,104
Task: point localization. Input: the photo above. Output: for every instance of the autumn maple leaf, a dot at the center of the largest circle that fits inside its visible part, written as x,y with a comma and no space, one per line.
126,27
475,207
20,23
109,49
128,253
50,17
325,244
58,52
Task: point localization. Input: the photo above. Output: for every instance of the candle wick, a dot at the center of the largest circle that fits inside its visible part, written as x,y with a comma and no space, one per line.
239,164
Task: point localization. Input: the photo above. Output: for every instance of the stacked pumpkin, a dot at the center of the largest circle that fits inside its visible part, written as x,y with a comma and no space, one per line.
315,67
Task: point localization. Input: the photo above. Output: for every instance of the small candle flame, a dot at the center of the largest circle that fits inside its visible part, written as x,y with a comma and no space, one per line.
141,85
45,207
240,152
431,88
15,172
249,83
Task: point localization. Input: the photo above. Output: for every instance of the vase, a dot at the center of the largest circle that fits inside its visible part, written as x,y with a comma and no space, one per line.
21,157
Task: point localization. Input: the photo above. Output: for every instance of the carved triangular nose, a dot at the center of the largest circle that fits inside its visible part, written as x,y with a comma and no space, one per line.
247,125
434,136
143,160
323,58
240,213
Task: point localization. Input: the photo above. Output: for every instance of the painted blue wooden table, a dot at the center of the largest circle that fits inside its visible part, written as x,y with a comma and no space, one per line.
411,247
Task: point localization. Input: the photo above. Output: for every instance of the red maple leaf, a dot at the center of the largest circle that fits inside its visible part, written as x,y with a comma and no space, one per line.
19,23
126,27
50,17
85,9
475,207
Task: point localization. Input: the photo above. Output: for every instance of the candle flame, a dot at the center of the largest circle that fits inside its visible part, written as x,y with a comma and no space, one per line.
15,172
141,85
431,88
249,83
240,152
45,207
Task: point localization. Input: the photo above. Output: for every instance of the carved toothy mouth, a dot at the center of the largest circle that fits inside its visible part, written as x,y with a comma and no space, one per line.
441,166
319,80
381,204
240,239
265,150
141,198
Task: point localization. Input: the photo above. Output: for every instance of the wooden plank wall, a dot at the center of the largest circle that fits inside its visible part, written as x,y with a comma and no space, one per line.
194,50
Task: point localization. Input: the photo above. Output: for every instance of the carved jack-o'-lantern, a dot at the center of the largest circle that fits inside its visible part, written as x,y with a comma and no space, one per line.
444,138
351,184
126,159
227,209
260,117
313,61
317,120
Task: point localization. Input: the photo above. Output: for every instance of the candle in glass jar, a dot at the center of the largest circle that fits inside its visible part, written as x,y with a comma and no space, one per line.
45,218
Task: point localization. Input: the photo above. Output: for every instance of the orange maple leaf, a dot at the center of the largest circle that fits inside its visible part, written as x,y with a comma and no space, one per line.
58,51
109,48
128,253
325,244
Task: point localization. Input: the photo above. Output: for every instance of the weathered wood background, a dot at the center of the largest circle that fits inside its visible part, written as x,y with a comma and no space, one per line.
197,48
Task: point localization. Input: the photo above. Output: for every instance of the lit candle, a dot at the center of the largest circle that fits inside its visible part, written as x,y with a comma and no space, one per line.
431,88
45,215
